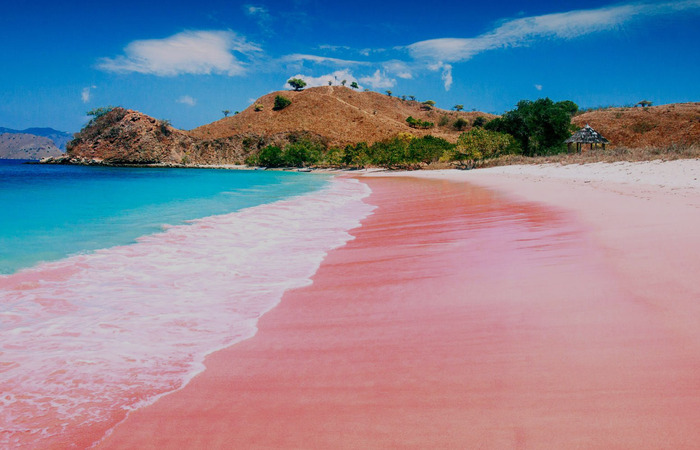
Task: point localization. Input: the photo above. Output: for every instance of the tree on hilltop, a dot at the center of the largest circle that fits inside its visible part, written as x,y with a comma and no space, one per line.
354,85
297,83
343,82
458,107
388,92
226,112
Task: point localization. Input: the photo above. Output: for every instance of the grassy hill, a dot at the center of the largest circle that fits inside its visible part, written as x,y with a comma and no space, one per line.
655,126
340,115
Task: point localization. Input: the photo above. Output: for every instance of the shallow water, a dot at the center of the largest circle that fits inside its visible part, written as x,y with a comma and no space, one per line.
48,212
87,338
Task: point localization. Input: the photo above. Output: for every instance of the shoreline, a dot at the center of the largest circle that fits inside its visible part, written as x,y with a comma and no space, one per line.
571,333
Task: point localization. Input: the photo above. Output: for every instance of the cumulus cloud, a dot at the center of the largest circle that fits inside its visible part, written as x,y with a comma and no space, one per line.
189,52
335,78
525,30
378,80
86,93
538,87
187,100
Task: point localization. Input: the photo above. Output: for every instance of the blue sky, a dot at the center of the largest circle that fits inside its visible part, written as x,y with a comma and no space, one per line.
187,61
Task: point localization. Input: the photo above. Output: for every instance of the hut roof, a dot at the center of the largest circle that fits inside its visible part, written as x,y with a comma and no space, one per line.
587,135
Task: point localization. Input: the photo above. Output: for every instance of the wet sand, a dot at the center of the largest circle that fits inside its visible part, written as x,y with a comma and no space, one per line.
503,314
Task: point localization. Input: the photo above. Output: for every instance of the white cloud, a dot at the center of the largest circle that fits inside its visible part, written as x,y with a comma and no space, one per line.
253,10
523,31
187,100
378,80
398,68
86,93
335,78
446,73
538,87
189,52
261,14
298,57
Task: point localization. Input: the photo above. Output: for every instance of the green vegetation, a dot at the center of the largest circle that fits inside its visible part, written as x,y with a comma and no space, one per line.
388,92
540,127
164,127
297,83
281,102
258,107
444,120
458,107
644,103
480,121
417,123
226,112
99,112
298,153
354,85
479,144
428,104
460,124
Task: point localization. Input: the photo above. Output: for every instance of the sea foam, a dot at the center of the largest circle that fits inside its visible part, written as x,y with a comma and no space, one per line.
88,338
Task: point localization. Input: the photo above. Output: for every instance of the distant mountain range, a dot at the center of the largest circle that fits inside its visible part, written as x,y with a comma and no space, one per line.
32,143
59,138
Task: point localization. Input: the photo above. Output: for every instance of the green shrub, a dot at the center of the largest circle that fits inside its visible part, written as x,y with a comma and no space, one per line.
281,103
358,155
417,123
427,149
164,127
302,153
460,124
258,107
270,156
480,121
333,157
478,144
444,120
389,152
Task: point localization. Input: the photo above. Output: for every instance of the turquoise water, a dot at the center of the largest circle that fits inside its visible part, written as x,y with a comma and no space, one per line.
50,212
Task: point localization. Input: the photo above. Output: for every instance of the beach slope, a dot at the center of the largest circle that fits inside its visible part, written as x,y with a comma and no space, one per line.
481,309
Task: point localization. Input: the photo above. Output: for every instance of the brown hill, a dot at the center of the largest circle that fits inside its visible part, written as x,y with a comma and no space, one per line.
124,136
339,114
26,146
655,126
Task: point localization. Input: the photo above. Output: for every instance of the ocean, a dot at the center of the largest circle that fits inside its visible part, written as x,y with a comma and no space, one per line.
115,283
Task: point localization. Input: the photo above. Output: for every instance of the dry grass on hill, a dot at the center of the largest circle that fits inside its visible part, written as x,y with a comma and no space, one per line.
339,114
656,126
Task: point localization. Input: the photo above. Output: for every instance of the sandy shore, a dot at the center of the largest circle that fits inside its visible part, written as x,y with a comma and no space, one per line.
504,308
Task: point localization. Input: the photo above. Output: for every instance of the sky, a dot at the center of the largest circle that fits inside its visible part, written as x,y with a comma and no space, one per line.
189,61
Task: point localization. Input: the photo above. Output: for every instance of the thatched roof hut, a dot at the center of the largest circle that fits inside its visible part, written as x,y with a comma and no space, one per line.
586,135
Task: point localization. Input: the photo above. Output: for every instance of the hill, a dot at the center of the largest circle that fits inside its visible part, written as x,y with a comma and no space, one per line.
655,126
340,115
334,116
59,138
27,146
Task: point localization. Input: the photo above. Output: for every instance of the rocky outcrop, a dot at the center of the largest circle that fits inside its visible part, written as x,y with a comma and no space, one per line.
123,136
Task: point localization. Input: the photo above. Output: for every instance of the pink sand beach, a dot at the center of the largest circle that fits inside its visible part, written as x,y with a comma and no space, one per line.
482,309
